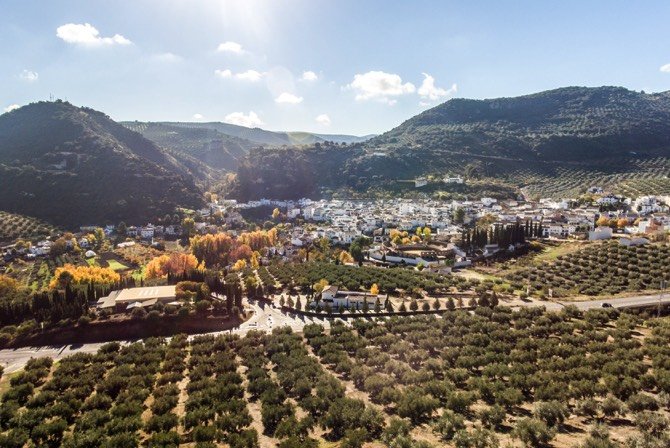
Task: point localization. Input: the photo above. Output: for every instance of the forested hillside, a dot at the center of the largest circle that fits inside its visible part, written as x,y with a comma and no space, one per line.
553,143
210,146
72,166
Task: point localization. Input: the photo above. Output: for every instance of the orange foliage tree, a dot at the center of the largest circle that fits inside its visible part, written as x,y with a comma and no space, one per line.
213,249
7,285
259,239
175,263
221,249
83,275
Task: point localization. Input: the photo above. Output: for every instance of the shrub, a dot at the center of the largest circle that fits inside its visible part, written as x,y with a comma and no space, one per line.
642,402
449,424
533,432
493,416
553,413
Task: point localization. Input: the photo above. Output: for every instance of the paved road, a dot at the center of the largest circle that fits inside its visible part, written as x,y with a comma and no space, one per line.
650,301
14,359
266,318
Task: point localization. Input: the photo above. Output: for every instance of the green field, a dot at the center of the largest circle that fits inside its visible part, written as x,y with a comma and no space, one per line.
116,265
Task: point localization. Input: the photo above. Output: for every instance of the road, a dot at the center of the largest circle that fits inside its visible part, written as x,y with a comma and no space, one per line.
650,300
14,359
266,317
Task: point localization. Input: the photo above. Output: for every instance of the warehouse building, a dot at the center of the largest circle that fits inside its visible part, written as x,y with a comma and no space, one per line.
130,298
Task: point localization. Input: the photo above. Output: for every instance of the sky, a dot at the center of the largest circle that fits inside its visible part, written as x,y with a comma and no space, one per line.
341,66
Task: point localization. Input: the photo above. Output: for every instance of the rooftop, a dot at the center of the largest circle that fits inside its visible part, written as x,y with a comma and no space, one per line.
146,293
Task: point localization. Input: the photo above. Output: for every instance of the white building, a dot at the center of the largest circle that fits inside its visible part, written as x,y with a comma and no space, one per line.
453,180
600,233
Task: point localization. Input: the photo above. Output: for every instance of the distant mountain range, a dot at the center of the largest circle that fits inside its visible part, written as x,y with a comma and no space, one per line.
72,166
221,145
576,134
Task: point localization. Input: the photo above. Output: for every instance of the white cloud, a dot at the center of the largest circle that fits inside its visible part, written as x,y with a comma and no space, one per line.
198,116
323,120
230,47
250,121
11,107
249,75
167,57
28,75
288,98
309,76
87,35
223,73
665,68
428,91
381,86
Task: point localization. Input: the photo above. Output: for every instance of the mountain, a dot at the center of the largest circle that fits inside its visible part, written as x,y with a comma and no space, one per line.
210,146
71,166
222,145
572,123
552,143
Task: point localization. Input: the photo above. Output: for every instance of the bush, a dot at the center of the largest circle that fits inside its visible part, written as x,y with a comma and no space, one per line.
416,406
642,402
449,424
493,416
533,432
651,423
138,313
478,438
612,406
204,434
163,440
553,413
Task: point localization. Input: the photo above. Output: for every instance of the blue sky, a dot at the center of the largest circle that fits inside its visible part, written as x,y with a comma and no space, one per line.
340,66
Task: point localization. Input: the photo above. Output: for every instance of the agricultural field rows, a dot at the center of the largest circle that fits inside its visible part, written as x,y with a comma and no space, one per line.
486,379
599,269
13,227
636,177
355,278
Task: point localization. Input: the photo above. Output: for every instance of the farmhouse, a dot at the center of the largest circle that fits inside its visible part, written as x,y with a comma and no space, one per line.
334,297
129,298
414,254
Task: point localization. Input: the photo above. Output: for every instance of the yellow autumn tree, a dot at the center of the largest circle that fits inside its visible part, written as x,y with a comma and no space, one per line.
255,260
345,257
374,289
175,263
7,285
320,285
240,265
71,275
